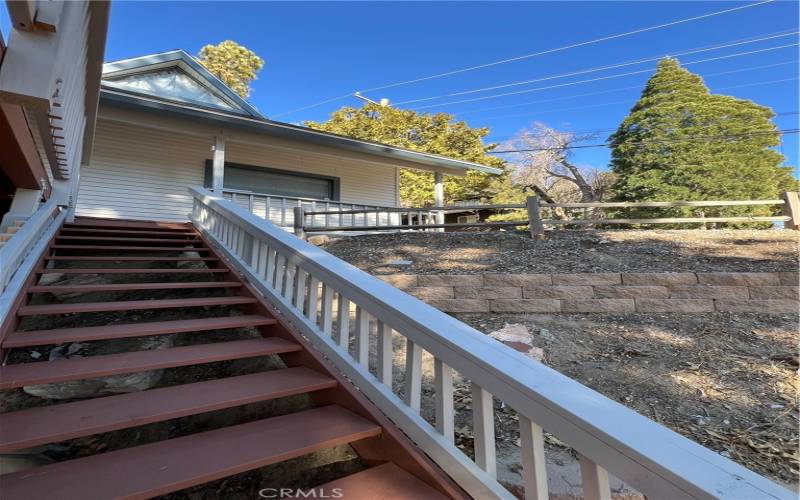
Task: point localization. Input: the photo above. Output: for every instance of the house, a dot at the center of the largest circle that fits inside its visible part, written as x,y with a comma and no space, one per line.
120,202
189,129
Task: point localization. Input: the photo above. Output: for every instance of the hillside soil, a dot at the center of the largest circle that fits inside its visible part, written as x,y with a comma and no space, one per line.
726,381
571,252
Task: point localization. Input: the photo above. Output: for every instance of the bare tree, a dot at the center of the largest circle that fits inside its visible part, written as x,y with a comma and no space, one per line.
544,164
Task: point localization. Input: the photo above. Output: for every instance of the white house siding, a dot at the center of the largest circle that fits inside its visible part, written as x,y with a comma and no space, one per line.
143,164
140,173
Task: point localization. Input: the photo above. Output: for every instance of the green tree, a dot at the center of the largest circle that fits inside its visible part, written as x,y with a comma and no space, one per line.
232,63
680,142
430,133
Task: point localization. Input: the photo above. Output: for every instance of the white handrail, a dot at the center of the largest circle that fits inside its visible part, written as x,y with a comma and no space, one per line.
608,436
278,209
14,251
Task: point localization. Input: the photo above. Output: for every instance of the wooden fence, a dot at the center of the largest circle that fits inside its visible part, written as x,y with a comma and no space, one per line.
537,224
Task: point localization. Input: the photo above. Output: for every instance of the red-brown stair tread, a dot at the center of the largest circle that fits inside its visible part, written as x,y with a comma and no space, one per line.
132,271
118,331
123,232
384,482
103,258
130,305
121,287
166,466
45,372
106,248
49,424
145,240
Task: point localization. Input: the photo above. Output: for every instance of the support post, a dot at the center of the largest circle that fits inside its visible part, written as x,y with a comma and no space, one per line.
535,218
791,209
299,221
218,164
438,197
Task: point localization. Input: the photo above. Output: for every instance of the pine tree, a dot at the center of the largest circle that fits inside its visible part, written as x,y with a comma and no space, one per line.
430,133
232,63
680,142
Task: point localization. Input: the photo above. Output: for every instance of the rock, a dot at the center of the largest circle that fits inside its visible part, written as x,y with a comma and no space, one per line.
517,337
79,279
115,384
399,262
318,240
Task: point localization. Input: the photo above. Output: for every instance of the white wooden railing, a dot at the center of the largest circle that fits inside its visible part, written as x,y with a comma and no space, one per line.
14,251
280,210
317,293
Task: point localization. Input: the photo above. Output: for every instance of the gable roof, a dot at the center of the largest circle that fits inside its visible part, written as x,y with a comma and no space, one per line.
174,82
175,76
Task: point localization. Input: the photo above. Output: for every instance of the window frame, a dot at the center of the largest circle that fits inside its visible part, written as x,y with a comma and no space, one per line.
335,181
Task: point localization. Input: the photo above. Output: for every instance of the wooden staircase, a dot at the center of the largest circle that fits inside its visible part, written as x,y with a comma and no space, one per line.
144,255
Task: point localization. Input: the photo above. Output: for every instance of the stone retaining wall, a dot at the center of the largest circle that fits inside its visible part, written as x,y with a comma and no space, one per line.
605,292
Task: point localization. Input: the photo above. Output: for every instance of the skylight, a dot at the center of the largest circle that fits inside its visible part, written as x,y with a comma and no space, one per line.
170,83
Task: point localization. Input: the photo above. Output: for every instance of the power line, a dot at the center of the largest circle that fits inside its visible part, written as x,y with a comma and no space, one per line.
741,70
627,101
566,47
601,68
598,131
665,141
534,54
608,77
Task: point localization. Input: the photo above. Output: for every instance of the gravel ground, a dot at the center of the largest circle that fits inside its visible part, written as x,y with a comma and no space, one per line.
571,251
726,381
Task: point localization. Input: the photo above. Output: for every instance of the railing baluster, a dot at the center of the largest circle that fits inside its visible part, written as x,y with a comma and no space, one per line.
327,309
269,272
283,212
534,468
595,480
362,336
299,288
443,379
385,354
483,428
255,256
288,280
413,389
313,299
343,319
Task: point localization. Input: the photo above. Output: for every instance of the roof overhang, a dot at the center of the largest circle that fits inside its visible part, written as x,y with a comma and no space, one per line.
405,157
184,61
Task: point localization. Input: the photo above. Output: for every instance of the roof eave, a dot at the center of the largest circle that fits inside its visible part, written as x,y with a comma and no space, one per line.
293,132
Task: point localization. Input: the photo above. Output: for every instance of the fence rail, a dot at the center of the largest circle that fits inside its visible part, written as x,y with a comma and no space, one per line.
789,202
343,311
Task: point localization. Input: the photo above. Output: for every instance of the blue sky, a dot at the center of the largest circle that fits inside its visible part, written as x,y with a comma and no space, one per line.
315,51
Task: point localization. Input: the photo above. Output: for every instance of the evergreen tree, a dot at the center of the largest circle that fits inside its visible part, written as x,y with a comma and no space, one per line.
429,133
232,63
680,142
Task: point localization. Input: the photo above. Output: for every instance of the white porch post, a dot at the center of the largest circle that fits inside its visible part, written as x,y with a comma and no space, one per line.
438,196
218,167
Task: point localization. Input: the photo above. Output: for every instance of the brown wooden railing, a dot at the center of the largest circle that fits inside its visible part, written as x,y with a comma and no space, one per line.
308,221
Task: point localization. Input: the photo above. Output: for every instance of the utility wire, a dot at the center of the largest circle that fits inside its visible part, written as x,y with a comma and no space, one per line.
590,132
567,47
527,56
628,100
741,70
608,77
599,68
665,141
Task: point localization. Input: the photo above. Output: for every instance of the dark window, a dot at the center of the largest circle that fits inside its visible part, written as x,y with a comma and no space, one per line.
277,182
